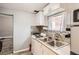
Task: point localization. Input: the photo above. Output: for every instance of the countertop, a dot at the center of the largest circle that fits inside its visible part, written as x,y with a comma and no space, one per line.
65,50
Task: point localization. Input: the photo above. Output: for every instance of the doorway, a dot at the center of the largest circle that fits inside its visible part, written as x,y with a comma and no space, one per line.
6,34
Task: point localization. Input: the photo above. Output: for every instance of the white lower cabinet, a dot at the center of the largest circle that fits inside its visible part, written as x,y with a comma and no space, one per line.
47,51
39,49
36,47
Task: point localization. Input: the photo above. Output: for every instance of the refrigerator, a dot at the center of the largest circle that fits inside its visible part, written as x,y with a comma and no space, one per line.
75,39
75,33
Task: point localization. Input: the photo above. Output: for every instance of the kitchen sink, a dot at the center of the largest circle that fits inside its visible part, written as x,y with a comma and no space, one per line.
53,43
57,43
44,39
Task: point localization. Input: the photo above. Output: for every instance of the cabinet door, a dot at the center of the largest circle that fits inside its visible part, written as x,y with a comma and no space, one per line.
40,18
46,10
47,51
33,46
37,19
36,47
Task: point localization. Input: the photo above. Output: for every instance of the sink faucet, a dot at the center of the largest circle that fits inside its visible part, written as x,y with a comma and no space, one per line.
58,37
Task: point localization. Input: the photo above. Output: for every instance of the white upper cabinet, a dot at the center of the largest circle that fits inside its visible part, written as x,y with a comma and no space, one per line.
52,8
46,10
40,19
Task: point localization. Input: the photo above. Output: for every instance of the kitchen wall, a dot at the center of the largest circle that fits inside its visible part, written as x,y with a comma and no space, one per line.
22,22
70,7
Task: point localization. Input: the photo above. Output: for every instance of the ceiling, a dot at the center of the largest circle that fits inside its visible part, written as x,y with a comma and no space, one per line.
29,7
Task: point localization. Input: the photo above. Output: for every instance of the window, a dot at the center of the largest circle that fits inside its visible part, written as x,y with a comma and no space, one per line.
56,22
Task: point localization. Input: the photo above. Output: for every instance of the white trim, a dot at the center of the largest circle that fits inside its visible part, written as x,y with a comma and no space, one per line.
21,50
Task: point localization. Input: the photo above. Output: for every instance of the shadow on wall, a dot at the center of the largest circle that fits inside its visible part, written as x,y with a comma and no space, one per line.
26,43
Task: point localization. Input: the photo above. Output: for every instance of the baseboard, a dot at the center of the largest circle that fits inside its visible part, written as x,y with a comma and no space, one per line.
73,53
27,49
